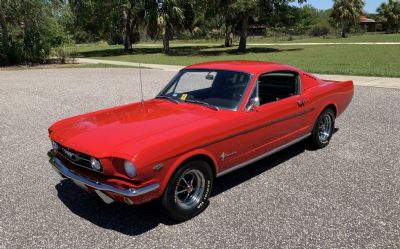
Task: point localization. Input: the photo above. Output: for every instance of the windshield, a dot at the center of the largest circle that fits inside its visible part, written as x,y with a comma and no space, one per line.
215,88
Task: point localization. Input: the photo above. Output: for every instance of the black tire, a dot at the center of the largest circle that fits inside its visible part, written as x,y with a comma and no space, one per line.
320,139
175,205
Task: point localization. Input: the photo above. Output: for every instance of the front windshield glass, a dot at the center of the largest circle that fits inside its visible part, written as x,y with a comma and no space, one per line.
216,88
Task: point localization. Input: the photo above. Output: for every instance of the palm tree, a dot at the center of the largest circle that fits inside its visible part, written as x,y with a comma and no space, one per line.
243,9
346,13
170,17
389,13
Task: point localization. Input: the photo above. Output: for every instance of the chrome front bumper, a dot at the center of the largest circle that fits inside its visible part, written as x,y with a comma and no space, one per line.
59,166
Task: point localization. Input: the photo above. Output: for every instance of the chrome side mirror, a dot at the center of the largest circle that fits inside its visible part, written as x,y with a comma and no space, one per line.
253,104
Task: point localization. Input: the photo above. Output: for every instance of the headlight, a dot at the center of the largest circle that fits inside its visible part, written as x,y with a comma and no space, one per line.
95,164
55,145
130,169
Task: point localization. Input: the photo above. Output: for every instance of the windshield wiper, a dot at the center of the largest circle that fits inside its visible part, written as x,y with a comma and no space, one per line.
203,103
168,98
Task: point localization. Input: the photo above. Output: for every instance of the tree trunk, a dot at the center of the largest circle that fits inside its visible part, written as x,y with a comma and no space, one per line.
343,31
243,33
127,30
228,38
166,36
389,28
4,32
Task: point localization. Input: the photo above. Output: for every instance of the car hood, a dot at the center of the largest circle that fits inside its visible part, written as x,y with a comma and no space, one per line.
99,133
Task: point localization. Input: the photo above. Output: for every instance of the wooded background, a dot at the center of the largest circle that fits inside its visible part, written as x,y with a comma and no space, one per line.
32,29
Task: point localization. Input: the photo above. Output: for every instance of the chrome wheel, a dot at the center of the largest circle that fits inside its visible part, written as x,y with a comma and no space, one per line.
190,189
325,128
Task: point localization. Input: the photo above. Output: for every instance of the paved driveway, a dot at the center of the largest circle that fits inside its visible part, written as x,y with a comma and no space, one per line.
346,195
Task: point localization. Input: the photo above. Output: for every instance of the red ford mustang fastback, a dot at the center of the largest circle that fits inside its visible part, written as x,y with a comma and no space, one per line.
212,118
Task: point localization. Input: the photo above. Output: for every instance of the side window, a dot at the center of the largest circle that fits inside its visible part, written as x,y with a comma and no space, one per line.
278,85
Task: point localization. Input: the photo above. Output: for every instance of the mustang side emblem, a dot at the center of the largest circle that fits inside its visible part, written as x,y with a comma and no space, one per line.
224,155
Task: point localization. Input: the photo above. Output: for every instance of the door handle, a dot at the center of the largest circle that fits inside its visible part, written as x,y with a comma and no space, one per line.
301,102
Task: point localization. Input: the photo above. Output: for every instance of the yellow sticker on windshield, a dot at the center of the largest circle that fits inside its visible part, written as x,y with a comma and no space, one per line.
184,96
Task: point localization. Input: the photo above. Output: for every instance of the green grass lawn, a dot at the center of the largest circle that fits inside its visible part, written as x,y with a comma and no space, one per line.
256,40
368,60
350,39
373,37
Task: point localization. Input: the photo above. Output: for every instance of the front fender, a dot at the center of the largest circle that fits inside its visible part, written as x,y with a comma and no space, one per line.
178,161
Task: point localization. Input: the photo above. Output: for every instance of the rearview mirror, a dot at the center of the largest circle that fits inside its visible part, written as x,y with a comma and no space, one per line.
253,104
210,76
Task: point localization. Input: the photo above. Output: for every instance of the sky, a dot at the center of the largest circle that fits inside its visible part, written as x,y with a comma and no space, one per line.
370,5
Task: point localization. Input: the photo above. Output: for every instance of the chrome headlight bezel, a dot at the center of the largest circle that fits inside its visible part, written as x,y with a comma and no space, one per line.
130,169
55,145
95,164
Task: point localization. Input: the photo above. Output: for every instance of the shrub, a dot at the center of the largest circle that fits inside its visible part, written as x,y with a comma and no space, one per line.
33,28
319,30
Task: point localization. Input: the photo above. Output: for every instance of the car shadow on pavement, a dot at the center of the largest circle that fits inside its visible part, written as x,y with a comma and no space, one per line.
129,220
136,220
244,174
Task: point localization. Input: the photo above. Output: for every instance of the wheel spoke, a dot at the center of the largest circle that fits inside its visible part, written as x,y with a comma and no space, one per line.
182,191
191,182
184,180
192,178
187,196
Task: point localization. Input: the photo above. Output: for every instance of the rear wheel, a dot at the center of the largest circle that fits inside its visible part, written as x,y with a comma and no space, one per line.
188,191
323,129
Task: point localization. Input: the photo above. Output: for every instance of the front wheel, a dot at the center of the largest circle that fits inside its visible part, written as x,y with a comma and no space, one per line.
323,129
188,191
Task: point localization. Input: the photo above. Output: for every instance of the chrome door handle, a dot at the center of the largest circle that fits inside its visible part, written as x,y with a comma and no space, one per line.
301,102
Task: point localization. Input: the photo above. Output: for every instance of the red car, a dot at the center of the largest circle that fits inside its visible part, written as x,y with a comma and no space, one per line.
211,119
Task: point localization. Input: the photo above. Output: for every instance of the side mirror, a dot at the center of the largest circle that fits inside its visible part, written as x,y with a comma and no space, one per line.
253,104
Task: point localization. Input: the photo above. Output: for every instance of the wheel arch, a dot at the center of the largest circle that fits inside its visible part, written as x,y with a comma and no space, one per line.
199,154
327,105
333,107
318,111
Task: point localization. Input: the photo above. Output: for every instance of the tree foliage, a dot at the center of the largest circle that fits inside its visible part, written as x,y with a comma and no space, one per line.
238,13
346,13
30,28
389,13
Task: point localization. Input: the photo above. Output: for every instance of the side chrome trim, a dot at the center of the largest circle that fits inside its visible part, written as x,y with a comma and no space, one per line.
268,153
59,166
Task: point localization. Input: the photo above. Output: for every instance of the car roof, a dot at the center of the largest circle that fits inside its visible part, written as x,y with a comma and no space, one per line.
252,67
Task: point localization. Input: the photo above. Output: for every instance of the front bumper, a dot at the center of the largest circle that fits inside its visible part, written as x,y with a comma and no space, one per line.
59,166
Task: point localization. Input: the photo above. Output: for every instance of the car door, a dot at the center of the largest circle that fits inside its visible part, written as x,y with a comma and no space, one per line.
275,123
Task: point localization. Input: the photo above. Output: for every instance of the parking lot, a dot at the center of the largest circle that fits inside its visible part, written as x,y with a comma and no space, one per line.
346,195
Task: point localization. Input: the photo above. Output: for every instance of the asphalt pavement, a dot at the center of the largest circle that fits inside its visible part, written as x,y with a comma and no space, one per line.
346,195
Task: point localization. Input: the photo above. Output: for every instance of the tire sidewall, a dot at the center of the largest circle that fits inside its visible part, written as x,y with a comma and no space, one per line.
316,140
170,203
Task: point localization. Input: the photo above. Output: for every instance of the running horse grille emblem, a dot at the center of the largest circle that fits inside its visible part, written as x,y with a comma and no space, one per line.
71,155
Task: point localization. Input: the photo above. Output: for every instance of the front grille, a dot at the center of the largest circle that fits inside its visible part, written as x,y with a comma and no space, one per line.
75,157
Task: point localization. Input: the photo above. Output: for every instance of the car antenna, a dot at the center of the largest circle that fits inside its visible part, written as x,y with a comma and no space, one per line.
141,85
